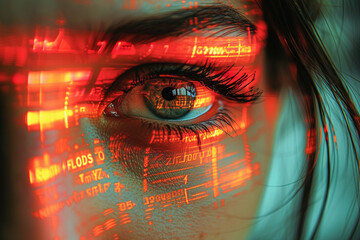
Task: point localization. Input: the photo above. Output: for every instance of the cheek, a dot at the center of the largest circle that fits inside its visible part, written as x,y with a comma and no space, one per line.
188,188
112,185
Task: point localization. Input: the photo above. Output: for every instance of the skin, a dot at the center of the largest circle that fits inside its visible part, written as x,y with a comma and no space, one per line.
97,208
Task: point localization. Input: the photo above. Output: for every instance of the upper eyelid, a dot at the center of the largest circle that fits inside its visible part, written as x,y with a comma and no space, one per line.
138,72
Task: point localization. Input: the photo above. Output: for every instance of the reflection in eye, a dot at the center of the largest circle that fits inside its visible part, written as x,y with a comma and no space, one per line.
167,99
178,99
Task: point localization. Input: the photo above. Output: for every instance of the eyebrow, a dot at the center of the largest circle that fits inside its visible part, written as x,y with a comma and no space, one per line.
177,23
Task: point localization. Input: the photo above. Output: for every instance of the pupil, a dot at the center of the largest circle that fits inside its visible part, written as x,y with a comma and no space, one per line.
167,93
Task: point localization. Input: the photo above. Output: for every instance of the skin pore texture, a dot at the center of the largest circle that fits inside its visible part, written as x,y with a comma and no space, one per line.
122,174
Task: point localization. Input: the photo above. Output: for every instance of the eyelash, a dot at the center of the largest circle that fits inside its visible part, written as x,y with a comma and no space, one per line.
230,86
220,120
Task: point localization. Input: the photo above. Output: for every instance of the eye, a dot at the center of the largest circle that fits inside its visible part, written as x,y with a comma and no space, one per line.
168,98
175,101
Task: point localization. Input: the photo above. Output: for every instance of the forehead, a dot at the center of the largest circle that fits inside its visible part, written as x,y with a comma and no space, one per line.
92,13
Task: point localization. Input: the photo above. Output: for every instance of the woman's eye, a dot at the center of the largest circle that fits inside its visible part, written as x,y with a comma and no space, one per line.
165,98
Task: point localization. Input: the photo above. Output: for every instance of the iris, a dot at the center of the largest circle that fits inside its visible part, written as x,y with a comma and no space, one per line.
170,98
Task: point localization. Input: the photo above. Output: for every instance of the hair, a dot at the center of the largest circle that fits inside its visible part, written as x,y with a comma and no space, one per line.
293,40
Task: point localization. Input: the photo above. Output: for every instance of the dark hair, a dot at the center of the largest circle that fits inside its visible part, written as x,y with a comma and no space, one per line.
293,39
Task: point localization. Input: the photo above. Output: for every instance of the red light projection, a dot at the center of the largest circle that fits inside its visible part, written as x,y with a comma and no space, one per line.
196,176
49,89
42,171
47,119
221,48
91,176
122,48
168,196
202,101
97,177
99,229
56,78
49,210
47,45
242,49
162,137
80,162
